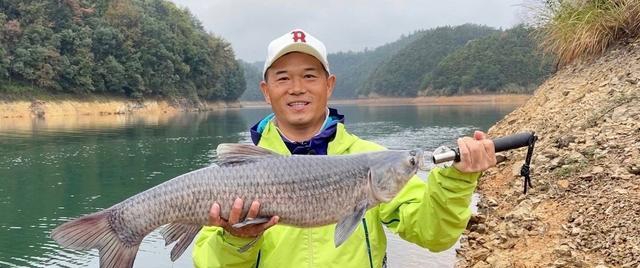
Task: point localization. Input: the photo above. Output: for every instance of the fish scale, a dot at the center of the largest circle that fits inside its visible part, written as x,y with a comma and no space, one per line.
302,190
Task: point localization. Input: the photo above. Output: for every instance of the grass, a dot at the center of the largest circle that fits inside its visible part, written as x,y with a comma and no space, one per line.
10,91
20,91
578,29
570,169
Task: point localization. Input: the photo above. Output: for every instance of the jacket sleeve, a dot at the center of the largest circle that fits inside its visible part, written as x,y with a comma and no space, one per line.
216,248
432,214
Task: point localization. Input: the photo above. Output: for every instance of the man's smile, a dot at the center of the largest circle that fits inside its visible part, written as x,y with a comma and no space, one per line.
298,105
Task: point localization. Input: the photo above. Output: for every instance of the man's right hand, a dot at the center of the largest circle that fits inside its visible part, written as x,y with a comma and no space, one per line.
249,231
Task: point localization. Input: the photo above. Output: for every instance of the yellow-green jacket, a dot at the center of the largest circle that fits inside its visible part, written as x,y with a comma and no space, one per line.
431,214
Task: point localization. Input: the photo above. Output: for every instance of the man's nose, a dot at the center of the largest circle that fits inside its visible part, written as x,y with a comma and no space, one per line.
298,87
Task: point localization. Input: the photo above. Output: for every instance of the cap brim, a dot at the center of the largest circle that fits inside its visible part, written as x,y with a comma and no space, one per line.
298,47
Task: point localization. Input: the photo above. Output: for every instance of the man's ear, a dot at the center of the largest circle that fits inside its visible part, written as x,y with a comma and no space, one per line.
265,91
331,83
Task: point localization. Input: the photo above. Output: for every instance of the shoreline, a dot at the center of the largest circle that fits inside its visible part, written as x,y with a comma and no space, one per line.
100,106
515,99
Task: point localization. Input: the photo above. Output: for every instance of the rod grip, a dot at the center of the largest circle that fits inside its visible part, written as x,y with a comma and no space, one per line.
501,144
512,141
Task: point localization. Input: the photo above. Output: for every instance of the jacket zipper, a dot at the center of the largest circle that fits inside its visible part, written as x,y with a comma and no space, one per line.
366,236
258,261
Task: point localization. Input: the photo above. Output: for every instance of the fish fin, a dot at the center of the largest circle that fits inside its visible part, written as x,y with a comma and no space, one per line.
118,255
374,189
173,231
94,231
184,241
248,245
348,224
183,233
235,153
250,222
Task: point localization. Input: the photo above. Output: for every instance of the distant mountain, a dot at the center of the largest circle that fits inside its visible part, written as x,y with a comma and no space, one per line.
252,77
352,69
505,61
402,74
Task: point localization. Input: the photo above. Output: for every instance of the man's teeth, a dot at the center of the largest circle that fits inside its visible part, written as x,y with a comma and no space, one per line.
298,103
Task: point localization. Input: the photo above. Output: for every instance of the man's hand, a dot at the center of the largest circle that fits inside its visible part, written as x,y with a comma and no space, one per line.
249,231
477,154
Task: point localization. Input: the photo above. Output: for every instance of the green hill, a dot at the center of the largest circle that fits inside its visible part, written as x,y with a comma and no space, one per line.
402,74
124,47
352,69
506,61
252,76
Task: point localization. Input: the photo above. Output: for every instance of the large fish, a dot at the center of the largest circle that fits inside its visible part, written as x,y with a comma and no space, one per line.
304,191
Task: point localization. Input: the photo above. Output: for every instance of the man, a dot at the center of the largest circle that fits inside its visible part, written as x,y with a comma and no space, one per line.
297,84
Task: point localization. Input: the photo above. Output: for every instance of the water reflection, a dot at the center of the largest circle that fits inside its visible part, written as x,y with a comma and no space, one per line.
54,169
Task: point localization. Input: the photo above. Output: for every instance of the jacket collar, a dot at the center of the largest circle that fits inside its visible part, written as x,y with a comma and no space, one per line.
266,134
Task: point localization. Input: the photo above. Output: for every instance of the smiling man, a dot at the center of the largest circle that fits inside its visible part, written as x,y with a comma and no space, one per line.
298,84
298,88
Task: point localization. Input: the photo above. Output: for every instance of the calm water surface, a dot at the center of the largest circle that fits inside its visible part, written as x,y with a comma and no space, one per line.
56,169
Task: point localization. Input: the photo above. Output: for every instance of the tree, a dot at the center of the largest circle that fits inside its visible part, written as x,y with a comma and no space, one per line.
402,74
132,47
490,64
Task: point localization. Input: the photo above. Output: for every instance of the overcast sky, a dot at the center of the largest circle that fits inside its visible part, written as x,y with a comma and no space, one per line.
342,25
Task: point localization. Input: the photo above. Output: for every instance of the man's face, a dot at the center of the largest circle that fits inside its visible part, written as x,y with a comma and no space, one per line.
298,89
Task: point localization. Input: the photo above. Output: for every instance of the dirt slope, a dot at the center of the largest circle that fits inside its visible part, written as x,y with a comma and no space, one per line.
584,209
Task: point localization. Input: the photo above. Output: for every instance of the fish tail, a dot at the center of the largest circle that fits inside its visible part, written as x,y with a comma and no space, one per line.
94,231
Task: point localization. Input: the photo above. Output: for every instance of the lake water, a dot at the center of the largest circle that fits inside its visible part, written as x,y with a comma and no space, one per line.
52,170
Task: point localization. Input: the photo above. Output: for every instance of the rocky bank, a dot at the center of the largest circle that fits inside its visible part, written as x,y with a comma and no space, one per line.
584,208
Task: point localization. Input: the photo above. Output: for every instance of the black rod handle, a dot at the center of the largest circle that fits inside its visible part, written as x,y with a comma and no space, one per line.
501,144
513,141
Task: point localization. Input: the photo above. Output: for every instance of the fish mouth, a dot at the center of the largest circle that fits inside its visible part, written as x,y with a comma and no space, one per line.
422,161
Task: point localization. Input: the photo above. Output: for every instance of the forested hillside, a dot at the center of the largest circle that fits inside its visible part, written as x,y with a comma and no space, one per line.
252,76
402,74
135,48
354,68
506,61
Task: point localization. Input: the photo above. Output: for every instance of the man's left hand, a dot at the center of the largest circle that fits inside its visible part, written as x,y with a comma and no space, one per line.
476,154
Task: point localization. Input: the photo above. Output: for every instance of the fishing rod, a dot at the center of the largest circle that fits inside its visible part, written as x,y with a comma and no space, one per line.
514,141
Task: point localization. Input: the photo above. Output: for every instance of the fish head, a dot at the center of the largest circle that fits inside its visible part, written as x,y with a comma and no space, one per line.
389,171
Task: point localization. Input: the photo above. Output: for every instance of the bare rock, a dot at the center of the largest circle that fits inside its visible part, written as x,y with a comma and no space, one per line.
562,250
597,170
564,141
481,264
556,162
634,169
563,184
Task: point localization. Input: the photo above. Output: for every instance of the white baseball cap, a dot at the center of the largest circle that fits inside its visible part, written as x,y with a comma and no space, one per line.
296,40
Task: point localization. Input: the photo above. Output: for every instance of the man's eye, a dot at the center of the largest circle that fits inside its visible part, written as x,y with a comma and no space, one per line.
309,76
283,78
